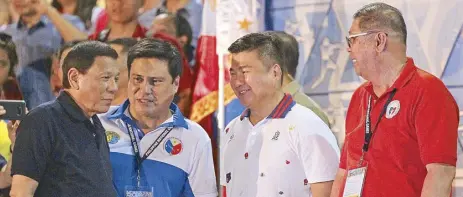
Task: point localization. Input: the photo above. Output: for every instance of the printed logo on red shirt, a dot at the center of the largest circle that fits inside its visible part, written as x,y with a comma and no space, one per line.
392,109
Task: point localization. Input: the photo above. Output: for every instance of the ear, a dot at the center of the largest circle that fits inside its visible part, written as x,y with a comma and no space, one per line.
381,42
73,78
176,83
277,72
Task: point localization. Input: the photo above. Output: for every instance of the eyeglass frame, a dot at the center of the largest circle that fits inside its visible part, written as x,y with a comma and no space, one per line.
349,37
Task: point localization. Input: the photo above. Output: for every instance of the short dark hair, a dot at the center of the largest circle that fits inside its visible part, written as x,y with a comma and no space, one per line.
267,46
159,49
382,16
82,56
289,49
65,46
126,43
6,43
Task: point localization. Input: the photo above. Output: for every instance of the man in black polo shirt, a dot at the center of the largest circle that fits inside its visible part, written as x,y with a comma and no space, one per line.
61,149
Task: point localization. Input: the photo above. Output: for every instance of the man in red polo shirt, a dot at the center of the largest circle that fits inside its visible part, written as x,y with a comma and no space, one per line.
401,127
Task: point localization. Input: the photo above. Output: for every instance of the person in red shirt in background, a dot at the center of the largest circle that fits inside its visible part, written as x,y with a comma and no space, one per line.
401,125
123,22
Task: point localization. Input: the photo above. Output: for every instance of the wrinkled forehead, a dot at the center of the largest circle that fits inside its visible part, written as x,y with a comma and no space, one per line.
103,64
244,58
355,27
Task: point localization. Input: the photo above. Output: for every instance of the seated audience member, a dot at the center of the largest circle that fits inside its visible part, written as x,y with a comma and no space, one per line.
122,46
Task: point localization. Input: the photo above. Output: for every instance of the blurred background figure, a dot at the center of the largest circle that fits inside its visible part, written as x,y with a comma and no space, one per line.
176,26
9,90
7,15
122,46
56,80
36,39
86,10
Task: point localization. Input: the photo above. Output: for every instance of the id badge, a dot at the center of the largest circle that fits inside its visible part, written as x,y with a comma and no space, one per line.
135,191
354,182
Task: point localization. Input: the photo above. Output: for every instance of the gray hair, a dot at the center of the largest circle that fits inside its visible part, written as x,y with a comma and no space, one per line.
382,16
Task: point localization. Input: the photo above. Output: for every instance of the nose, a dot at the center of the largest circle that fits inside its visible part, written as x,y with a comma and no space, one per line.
237,80
112,87
349,49
146,87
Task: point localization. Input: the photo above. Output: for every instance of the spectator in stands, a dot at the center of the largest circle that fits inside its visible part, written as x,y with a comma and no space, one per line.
36,39
177,26
148,11
290,47
189,9
122,21
124,24
86,10
57,72
9,90
4,13
7,13
61,147
122,46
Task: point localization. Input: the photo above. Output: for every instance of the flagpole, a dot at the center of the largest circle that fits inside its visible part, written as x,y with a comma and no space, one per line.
221,107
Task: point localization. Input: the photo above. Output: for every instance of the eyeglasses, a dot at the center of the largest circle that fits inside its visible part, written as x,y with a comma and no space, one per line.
350,40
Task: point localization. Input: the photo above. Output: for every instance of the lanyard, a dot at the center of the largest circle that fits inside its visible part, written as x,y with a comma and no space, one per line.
368,131
150,149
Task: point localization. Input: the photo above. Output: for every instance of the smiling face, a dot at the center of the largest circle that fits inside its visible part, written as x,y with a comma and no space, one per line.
151,87
252,81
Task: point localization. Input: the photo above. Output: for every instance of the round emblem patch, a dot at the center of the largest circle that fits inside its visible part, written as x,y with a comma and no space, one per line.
392,109
112,137
173,146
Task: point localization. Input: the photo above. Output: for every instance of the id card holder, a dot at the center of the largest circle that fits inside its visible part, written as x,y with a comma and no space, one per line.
354,182
139,191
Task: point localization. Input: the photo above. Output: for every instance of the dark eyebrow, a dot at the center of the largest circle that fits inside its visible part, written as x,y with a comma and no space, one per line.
155,78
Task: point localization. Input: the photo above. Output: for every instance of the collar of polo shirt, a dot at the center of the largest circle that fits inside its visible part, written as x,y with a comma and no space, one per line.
71,107
280,110
404,77
178,118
